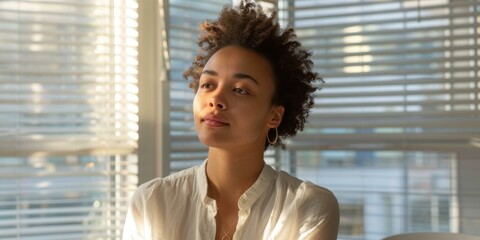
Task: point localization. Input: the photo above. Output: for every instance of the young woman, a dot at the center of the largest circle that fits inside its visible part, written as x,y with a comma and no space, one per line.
253,87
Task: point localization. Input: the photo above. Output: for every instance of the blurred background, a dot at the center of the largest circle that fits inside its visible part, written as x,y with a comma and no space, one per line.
92,103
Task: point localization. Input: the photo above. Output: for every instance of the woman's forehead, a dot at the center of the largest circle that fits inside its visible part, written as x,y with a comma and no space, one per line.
236,60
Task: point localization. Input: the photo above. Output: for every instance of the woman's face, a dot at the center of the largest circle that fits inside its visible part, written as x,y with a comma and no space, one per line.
232,106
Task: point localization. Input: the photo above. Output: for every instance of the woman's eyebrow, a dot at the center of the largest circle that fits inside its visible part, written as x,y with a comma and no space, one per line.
245,76
236,75
209,72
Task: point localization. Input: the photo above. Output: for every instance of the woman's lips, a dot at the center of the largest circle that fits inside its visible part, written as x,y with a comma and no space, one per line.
213,121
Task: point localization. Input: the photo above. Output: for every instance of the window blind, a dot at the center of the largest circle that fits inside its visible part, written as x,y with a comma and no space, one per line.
68,117
402,74
400,107
68,77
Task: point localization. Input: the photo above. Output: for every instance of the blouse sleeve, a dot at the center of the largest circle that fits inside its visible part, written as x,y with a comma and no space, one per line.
134,227
322,215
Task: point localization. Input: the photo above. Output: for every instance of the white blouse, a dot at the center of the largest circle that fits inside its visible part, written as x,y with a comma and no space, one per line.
276,206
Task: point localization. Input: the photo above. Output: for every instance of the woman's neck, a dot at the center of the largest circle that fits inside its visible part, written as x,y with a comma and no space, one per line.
230,174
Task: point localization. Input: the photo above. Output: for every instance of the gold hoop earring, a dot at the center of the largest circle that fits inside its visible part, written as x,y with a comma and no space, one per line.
276,137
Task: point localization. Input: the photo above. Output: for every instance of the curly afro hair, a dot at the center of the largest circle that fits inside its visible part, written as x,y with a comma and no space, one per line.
248,26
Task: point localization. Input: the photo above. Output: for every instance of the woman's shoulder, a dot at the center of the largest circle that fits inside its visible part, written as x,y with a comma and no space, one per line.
306,191
166,185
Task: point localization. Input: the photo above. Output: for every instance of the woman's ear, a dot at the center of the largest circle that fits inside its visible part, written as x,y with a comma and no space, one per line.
276,116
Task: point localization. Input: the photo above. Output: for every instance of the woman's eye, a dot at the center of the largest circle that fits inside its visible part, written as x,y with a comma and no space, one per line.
206,85
241,91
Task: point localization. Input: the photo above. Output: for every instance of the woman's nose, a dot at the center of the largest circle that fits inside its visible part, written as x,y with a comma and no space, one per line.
218,102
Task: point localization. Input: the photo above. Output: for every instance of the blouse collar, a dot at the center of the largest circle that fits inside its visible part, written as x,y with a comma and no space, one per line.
248,197
202,183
